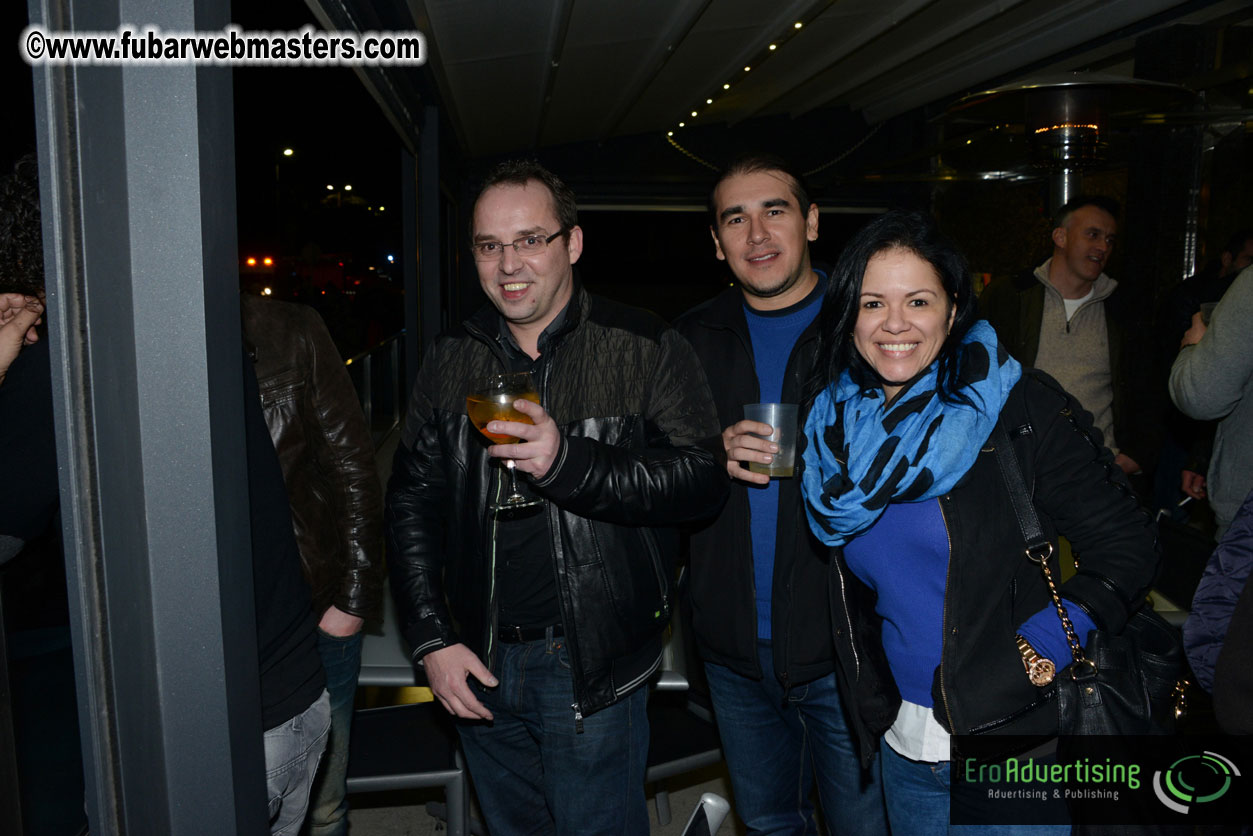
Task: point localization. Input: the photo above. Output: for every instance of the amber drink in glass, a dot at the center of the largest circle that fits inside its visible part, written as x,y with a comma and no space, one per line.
491,399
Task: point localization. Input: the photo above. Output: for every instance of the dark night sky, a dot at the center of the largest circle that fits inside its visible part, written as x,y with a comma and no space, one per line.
323,113
660,260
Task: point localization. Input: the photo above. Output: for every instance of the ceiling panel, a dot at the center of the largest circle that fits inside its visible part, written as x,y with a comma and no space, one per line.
729,34
840,29
871,45
494,56
1023,35
608,54
528,73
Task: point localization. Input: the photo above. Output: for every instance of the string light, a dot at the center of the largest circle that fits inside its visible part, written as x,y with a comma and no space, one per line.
773,47
1066,125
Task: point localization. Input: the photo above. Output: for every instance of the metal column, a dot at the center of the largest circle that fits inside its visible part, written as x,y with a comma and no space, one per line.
137,187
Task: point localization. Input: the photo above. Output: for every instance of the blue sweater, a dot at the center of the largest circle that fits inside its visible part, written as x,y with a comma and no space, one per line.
773,335
904,558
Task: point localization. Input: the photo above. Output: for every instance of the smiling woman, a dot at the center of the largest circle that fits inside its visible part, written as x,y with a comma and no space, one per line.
902,479
904,319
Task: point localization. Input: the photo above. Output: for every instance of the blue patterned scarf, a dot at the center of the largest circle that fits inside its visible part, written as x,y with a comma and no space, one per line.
860,456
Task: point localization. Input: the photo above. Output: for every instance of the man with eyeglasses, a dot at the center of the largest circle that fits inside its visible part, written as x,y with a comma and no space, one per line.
538,628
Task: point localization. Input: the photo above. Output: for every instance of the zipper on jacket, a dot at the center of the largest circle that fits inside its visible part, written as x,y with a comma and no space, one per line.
554,525
745,341
948,576
839,573
493,617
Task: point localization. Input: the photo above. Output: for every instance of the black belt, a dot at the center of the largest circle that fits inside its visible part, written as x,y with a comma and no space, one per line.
515,635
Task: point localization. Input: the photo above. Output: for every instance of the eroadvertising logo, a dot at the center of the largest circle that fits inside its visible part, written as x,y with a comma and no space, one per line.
1194,779
1100,780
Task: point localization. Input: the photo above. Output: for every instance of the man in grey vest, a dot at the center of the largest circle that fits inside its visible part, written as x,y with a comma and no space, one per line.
1068,318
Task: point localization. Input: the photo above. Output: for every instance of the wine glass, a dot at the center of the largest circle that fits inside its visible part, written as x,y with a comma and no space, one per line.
491,399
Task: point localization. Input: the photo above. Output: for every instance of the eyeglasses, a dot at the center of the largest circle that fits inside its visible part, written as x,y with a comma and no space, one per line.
526,245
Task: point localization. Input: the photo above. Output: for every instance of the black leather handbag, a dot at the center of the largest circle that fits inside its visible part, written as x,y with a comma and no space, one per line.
1128,683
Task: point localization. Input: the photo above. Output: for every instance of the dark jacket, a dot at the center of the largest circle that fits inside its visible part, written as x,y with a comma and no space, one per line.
724,608
1226,575
981,686
1233,674
326,452
640,454
1015,307
287,645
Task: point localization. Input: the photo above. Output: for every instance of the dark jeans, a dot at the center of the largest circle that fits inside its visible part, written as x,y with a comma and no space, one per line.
778,745
341,657
533,773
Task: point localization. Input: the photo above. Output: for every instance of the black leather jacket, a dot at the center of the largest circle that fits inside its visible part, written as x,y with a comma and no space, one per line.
324,446
724,607
981,686
641,453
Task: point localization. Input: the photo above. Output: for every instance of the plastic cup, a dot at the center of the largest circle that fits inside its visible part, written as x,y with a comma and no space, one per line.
782,417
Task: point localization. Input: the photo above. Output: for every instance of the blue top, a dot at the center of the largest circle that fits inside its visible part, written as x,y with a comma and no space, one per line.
904,558
773,335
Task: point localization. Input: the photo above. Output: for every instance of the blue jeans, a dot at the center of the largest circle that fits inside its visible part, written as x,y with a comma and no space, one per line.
341,658
292,752
918,801
777,745
533,773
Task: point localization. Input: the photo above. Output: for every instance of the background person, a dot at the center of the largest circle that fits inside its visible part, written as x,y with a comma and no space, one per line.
1069,319
1212,379
896,476
295,712
327,456
1225,577
1189,442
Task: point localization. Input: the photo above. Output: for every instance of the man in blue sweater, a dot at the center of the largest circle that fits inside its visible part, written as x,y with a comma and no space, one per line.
758,577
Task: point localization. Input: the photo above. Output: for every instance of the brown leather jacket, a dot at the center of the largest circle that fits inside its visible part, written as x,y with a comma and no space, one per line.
326,453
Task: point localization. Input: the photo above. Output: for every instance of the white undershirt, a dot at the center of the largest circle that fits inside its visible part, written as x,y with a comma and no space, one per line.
1073,305
917,735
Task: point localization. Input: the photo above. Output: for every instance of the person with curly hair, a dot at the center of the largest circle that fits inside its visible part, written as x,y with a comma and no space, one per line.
295,706
27,505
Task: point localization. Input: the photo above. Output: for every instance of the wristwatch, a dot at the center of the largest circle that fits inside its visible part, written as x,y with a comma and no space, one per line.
1039,670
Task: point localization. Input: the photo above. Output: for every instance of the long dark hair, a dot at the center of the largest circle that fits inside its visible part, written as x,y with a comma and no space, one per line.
898,229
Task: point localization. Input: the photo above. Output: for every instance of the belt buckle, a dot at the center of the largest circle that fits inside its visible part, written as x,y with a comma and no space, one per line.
514,633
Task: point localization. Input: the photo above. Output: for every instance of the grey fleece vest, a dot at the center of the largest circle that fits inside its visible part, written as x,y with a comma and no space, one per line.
1077,352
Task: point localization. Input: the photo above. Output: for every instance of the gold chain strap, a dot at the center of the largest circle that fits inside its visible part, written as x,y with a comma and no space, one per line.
1076,649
